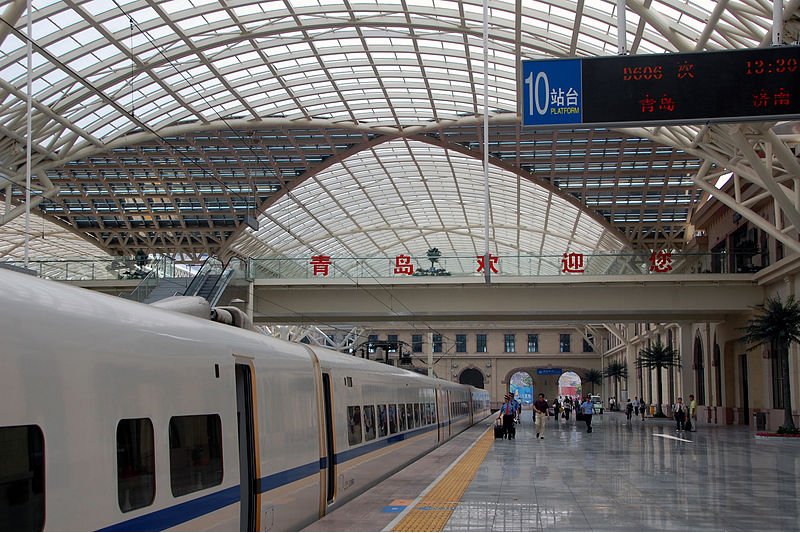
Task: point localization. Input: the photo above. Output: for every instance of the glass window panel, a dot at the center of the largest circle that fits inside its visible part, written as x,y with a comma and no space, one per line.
392,418
136,464
22,498
564,343
353,424
383,426
369,422
195,446
480,346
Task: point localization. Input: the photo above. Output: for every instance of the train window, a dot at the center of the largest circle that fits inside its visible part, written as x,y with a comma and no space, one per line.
354,424
369,422
195,453
410,415
382,426
136,464
402,414
21,478
417,415
392,418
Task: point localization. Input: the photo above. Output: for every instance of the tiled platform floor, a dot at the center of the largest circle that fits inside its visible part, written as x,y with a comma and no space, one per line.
622,477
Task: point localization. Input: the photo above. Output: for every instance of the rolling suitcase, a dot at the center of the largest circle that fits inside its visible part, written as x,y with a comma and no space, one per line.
498,429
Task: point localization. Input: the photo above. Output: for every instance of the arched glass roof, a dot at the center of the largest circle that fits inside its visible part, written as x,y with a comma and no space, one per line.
163,125
404,197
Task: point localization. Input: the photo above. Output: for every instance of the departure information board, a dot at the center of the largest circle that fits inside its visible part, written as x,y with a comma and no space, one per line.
736,85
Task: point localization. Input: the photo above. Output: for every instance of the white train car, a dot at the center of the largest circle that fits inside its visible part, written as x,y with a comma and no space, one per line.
119,416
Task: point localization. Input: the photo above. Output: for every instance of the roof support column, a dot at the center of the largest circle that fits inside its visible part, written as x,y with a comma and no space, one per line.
777,22
487,270
11,15
686,357
429,349
29,140
622,44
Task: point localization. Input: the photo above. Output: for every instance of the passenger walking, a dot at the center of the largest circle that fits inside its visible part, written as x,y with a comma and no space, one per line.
556,410
567,407
540,410
629,409
643,408
587,408
692,413
679,412
636,405
508,411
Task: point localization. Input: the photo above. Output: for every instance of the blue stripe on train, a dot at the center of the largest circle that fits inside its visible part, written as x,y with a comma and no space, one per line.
183,512
177,514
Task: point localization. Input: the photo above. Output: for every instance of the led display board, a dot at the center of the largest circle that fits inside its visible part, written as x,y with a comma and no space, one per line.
736,85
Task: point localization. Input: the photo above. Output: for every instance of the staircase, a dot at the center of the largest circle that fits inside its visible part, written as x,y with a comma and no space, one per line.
210,281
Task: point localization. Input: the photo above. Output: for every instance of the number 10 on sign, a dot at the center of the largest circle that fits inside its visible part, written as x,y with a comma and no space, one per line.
551,92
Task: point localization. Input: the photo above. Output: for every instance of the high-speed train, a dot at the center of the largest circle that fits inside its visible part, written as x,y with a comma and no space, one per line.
119,416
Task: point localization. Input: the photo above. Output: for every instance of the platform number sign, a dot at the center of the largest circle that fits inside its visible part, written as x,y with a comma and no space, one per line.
552,92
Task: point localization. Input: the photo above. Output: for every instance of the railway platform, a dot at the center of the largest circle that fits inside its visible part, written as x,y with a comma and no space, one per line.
624,476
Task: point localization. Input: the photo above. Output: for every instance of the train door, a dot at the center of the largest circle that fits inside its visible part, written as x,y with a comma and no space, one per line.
449,408
248,475
471,407
330,451
437,405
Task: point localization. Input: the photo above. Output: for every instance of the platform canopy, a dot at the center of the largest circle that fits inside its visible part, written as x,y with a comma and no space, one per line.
346,128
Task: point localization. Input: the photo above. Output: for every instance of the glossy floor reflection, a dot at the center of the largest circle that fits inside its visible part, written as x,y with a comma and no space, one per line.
633,477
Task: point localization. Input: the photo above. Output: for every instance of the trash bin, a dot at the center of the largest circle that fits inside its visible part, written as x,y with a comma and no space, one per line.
760,420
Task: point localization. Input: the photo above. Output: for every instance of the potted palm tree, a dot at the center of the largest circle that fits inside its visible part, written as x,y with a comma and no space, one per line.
658,357
594,377
778,325
617,371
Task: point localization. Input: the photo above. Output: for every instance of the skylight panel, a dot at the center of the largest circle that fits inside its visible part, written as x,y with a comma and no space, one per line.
216,16
98,7
251,9
592,22
193,22
42,28
176,6
117,24
84,37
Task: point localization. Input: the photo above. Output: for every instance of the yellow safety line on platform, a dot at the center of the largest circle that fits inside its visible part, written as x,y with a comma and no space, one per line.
435,508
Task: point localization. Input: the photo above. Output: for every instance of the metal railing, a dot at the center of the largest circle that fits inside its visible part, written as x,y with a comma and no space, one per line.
402,266
574,264
164,269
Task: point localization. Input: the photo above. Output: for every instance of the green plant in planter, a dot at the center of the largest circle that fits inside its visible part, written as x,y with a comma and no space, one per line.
658,357
778,326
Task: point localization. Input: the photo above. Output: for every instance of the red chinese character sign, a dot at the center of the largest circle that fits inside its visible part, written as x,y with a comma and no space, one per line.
572,263
402,265
661,261
321,264
492,263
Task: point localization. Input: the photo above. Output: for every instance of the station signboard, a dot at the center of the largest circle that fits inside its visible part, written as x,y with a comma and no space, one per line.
734,85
